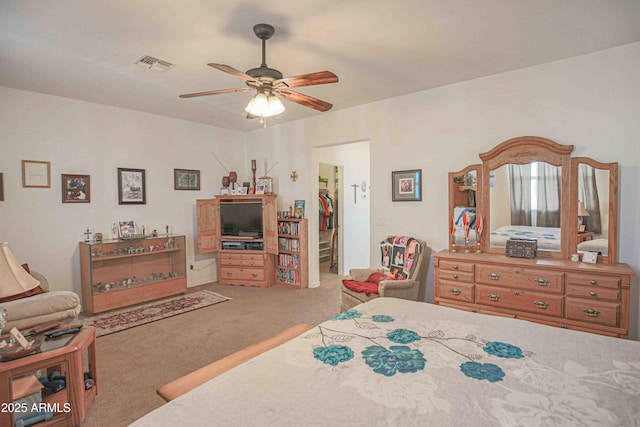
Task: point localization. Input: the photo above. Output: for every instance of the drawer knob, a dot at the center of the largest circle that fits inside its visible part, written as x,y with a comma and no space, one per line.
455,291
594,282
493,276
455,267
455,276
541,304
229,273
494,297
593,294
254,275
516,293
591,312
541,282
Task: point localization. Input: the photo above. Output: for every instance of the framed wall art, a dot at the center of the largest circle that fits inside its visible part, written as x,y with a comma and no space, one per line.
36,174
131,187
76,188
406,185
126,229
186,179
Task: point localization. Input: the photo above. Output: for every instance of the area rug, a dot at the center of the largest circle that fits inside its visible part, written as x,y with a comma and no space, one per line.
130,317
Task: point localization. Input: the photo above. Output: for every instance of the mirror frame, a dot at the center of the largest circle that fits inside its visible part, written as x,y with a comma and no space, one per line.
523,150
612,255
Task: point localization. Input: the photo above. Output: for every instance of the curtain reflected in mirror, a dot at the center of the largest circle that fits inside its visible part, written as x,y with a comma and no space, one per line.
593,194
526,202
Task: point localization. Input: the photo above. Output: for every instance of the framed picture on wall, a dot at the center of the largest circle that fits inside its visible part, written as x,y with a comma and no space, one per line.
76,188
406,185
131,187
36,174
186,179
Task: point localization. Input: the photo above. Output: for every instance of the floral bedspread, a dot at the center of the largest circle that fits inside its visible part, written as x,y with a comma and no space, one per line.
402,363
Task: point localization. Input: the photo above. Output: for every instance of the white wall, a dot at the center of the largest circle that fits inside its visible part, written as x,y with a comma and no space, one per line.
591,101
84,138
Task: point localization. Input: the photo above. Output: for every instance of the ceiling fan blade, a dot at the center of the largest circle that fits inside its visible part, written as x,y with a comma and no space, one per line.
311,79
235,73
214,92
306,100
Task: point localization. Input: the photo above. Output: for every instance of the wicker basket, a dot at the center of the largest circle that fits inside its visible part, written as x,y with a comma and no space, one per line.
521,248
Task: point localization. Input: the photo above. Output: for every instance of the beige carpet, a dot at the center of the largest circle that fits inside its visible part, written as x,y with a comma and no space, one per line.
134,362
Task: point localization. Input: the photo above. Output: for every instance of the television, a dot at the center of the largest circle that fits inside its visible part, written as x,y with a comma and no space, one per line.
241,219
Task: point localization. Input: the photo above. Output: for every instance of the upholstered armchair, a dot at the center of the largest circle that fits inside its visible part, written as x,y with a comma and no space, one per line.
402,273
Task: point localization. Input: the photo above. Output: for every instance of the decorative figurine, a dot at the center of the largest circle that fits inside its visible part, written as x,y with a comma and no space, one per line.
252,189
114,231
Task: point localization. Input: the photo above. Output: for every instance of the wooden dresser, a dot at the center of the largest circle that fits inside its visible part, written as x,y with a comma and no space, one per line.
573,295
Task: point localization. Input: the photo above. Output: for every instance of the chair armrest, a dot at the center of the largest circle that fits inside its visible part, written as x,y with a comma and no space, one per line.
405,289
361,274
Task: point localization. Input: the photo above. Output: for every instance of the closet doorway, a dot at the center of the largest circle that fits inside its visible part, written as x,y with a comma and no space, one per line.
329,219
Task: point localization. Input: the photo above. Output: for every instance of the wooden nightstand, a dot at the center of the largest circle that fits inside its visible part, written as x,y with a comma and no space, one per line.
585,236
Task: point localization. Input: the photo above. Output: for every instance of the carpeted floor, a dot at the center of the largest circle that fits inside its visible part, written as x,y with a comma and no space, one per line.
134,362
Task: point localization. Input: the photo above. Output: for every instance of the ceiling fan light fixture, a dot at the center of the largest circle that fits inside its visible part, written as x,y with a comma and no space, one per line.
264,105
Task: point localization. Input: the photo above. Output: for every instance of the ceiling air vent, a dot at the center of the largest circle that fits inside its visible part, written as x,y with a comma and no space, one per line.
152,63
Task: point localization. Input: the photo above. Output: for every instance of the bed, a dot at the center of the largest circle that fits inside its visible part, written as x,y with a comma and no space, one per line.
548,238
398,362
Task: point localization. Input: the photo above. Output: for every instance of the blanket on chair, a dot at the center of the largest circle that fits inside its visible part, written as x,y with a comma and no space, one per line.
398,254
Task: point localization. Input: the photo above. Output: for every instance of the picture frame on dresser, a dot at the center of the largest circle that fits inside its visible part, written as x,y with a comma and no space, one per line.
76,188
132,187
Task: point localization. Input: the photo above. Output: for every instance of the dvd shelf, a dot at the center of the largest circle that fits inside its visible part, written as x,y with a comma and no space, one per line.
293,259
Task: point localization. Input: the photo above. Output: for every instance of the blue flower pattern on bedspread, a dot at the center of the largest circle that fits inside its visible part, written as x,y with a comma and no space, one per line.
402,358
397,358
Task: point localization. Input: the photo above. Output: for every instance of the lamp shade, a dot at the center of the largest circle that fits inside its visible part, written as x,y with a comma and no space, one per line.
13,278
264,104
581,210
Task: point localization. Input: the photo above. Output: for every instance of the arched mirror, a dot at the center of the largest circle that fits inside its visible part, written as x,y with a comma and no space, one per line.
526,194
463,206
594,190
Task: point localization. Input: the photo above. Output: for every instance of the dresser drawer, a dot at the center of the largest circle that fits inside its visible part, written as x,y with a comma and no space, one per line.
519,299
230,256
456,291
457,276
594,280
456,266
230,261
242,273
257,262
593,293
521,277
601,312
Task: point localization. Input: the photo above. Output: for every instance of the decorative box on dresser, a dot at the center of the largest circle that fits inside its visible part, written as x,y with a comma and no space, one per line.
549,288
242,260
293,253
119,273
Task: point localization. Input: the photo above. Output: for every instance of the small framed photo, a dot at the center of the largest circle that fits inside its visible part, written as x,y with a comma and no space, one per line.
186,179
241,190
260,188
582,228
131,187
126,229
590,257
76,188
36,174
298,209
267,183
406,185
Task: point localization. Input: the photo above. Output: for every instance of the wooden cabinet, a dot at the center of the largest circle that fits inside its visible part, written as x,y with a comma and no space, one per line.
119,273
242,260
71,356
587,297
293,253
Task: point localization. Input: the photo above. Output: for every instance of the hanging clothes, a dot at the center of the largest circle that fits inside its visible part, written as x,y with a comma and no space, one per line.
326,211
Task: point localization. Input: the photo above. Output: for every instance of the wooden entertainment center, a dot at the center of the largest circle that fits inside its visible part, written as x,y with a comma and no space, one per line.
242,260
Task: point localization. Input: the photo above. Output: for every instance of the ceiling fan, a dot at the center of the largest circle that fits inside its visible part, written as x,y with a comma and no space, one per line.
270,84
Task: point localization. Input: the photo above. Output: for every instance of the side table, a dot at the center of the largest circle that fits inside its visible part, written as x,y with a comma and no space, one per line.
585,236
71,359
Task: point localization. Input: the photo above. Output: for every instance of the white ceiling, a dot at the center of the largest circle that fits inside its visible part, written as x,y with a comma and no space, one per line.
378,48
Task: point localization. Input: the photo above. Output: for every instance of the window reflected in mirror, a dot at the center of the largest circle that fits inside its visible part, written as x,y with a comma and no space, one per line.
526,202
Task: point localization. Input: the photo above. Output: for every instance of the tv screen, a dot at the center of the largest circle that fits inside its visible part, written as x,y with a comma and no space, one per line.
241,219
